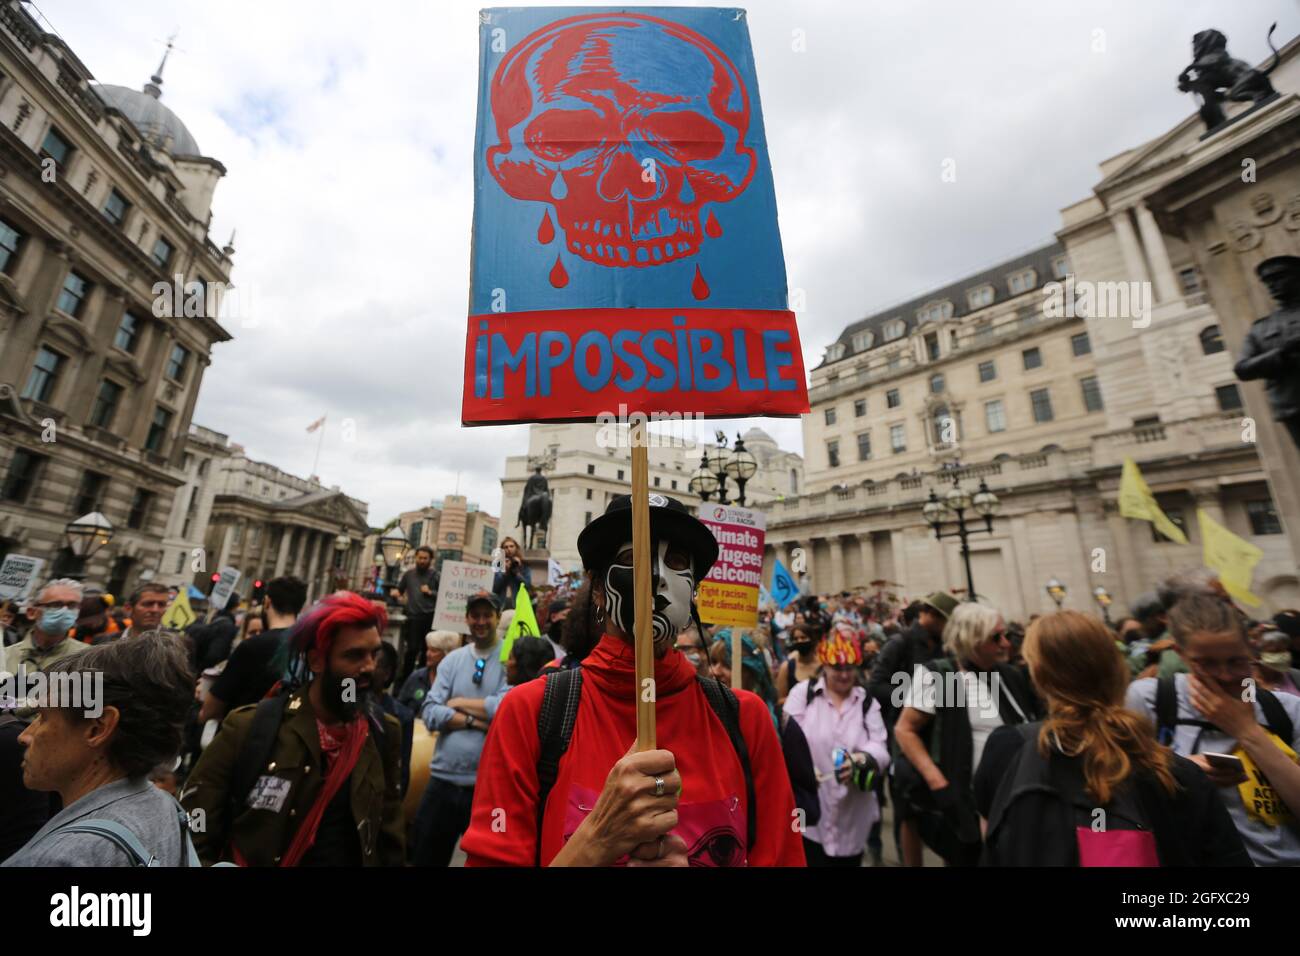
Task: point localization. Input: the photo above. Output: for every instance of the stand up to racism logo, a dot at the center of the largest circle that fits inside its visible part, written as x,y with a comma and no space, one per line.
626,246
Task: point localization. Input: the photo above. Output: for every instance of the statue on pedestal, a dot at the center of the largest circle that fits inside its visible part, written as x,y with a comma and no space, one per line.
1271,349
1215,77
535,507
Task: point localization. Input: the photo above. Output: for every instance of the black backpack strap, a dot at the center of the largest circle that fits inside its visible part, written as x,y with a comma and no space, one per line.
727,708
257,748
1275,716
560,697
1166,710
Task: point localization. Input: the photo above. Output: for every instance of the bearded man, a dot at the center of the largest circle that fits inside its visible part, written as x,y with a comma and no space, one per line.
311,775
559,784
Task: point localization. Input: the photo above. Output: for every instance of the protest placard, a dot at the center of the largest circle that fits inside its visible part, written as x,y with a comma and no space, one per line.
729,594
460,580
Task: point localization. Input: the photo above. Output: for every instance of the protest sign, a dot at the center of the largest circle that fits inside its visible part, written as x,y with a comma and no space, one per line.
18,577
228,577
460,580
729,594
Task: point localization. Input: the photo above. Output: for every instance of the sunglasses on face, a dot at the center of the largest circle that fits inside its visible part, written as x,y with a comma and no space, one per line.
997,637
479,666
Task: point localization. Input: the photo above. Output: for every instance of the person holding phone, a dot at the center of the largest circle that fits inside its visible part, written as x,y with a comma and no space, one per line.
1219,710
514,573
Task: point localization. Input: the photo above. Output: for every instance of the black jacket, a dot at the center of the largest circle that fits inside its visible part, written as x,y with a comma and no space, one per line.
1033,806
1271,350
900,655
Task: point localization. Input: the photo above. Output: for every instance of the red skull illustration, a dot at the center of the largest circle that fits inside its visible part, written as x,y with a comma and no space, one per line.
627,125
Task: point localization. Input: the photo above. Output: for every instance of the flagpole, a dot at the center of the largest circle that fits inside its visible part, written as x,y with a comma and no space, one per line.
319,442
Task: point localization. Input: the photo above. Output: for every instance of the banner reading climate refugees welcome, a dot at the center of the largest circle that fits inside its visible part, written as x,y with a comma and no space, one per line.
729,594
626,248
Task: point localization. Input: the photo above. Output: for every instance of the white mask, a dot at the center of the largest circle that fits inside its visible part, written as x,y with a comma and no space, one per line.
672,591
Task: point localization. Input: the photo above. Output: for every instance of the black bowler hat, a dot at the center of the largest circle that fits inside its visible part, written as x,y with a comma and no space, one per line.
598,543
1289,262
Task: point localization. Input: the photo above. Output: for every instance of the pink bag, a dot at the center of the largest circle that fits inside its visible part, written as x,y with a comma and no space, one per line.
1116,847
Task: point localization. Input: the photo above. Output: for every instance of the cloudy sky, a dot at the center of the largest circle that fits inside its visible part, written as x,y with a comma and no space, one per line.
347,130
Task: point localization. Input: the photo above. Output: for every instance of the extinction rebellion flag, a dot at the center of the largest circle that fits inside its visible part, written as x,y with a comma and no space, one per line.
625,246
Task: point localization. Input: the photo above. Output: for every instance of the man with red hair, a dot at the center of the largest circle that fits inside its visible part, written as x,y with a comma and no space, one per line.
309,776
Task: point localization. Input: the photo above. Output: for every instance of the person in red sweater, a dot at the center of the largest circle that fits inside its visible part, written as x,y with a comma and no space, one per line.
682,805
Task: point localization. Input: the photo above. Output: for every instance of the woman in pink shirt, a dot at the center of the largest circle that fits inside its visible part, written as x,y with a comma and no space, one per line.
839,719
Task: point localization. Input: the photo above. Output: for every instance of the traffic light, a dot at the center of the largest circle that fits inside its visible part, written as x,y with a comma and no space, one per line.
215,577
258,590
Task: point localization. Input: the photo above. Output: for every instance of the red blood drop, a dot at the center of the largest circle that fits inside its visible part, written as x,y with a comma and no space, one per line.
560,278
546,231
711,227
699,288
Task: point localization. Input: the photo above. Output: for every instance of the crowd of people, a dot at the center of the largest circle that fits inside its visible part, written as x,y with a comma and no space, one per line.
276,734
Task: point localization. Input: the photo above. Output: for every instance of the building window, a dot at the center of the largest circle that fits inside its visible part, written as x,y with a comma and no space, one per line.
176,363
1190,280
936,383
586,519
139,512
995,417
620,474
40,383
1060,267
863,341
416,535
180,562
162,253
894,329
489,540
1211,340
73,295
835,352
979,298
588,494
203,466
833,454
128,333
1091,393
106,402
674,484
1176,516
935,312
56,147
90,496
932,346
859,407
1229,398
158,431
945,428
829,415
23,470
1033,358
656,481
898,438
1263,518
988,371
10,240
1080,344
864,446
1042,399
591,469
115,208
1021,281
893,399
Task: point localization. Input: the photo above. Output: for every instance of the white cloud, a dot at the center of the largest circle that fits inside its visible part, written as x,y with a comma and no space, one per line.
348,131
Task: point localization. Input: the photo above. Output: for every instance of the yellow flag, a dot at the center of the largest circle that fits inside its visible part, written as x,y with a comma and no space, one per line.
1137,501
1233,557
179,615
523,624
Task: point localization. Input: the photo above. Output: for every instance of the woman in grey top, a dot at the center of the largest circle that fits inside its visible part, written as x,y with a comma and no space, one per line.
106,718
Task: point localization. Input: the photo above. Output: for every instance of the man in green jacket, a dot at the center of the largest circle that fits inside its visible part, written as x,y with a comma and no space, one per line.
309,777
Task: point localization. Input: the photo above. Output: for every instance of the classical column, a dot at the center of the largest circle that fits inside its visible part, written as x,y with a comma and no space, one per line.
1128,244
1157,255
261,553
311,545
226,540
1121,559
868,557
836,576
283,557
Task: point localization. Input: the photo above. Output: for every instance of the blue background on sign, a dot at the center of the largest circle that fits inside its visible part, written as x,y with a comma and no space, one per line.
744,268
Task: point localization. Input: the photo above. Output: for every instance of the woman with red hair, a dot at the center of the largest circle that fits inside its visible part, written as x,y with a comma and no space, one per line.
311,775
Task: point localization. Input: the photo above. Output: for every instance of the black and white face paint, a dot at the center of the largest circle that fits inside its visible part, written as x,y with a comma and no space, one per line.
672,584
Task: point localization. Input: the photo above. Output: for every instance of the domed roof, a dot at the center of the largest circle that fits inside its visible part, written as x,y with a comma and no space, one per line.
757,434
151,117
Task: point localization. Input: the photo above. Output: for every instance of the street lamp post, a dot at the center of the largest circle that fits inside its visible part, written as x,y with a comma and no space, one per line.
717,459
741,467
393,543
703,482
86,536
1056,590
1102,596
953,507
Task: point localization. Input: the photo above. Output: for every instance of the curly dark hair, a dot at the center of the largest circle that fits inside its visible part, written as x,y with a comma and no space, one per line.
581,632
147,679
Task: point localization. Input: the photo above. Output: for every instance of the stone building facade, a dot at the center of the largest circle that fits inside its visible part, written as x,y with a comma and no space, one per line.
1010,377
456,528
105,199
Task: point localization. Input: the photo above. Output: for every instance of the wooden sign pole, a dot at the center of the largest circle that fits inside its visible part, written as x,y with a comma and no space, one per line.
643,599
737,645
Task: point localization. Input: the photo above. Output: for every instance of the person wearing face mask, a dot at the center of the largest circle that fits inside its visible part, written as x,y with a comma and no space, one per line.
572,789
1273,670
690,644
556,612
53,613
802,664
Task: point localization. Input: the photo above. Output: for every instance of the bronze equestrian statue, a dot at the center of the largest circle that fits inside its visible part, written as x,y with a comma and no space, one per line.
1216,77
535,508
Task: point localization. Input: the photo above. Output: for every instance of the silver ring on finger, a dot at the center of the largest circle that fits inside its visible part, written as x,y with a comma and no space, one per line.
659,786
